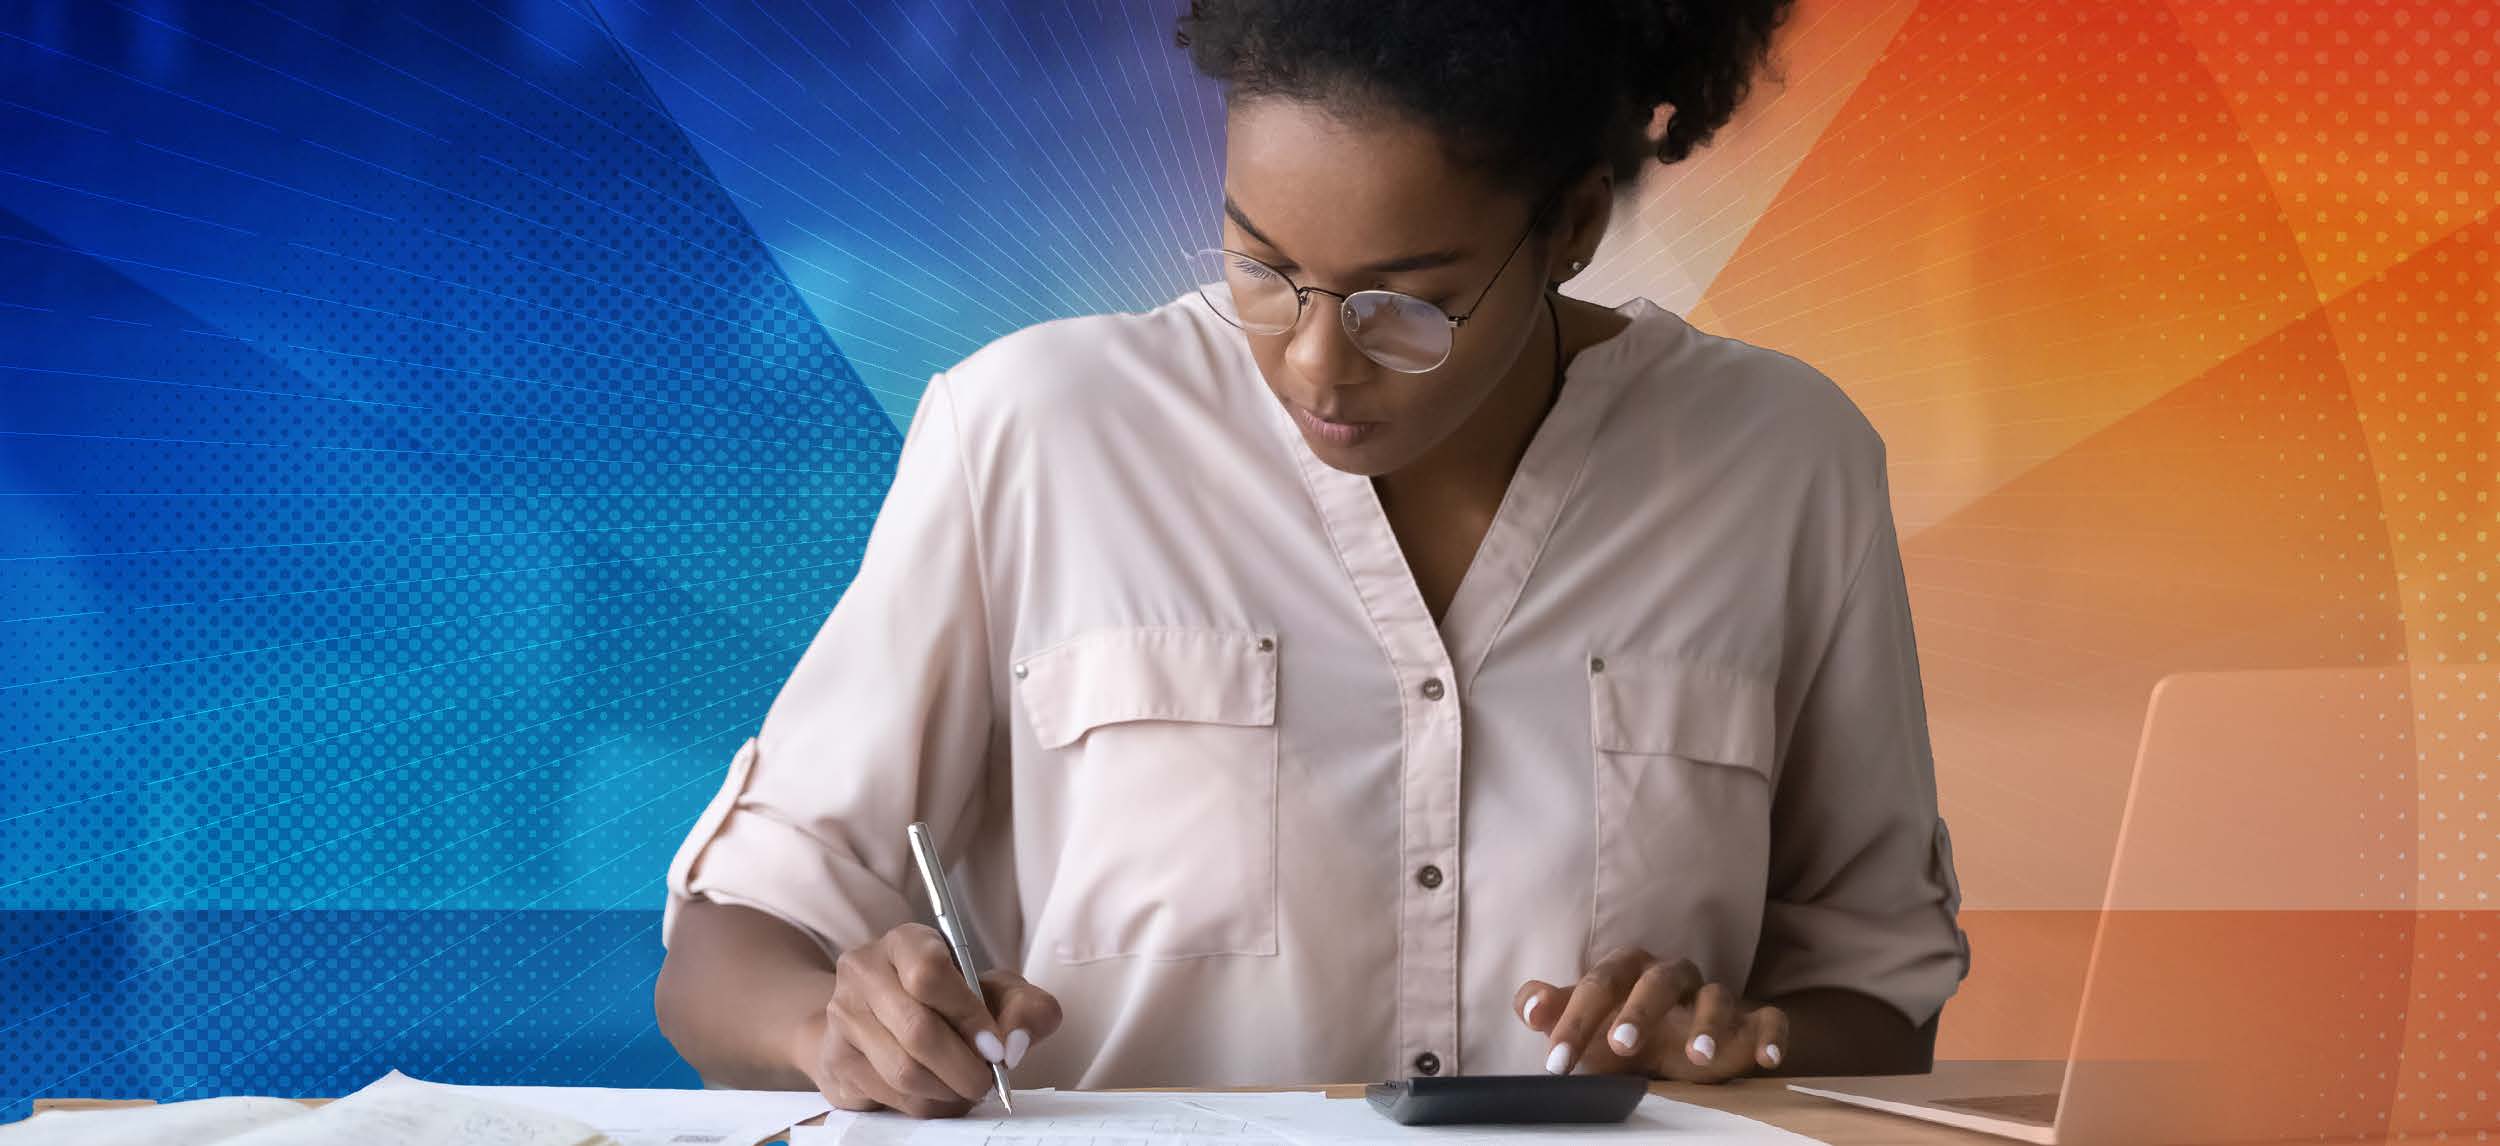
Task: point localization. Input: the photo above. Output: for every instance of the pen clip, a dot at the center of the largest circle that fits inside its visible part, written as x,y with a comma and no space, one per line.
932,873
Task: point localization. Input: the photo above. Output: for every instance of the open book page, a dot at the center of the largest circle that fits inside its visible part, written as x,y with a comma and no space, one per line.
201,1120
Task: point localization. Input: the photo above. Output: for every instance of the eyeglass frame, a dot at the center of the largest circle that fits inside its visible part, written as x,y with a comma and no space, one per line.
1302,294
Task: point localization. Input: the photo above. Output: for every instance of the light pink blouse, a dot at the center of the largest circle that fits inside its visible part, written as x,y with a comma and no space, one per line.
1161,683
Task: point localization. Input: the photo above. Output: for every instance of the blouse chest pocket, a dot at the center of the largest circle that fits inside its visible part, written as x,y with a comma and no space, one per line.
1683,753
1163,747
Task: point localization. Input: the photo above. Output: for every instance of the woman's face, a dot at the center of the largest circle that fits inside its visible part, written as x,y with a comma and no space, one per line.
1355,205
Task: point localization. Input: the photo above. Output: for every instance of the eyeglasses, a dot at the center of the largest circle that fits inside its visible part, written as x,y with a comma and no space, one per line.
1396,330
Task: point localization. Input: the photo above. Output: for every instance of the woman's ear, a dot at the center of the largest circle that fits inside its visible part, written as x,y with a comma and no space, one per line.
1586,209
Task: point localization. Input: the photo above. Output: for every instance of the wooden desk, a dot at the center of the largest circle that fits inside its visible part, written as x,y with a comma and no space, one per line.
1768,1100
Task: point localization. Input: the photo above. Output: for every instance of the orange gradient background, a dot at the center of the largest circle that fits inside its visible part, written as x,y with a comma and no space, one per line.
2178,319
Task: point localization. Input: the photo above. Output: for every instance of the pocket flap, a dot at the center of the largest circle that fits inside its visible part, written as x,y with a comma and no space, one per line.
1105,676
1661,707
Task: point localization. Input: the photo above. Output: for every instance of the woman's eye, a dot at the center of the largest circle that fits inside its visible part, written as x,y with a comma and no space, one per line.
1442,305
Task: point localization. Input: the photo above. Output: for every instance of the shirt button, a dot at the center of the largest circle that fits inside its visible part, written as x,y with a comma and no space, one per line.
1427,1063
1429,876
1020,672
1597,664
1432,688
1267,644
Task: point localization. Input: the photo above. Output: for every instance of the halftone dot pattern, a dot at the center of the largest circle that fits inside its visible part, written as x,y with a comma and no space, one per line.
2060,599
2178,320
2420,340
2374,122
429,434
2036,251
417,481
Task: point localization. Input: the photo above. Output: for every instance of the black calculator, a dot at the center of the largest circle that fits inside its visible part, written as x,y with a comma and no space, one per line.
1435,1101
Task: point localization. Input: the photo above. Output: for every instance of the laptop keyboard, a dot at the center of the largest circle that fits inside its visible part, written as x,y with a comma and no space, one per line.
2036,1109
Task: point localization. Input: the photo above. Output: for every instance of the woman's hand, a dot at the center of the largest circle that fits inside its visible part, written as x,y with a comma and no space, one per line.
1632,1014
904,1032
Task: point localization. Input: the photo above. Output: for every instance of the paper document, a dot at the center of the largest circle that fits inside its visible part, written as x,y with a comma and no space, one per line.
395,1110
669,1117
203,1120
1052,1118
1310,1118
1269,1118
401,1111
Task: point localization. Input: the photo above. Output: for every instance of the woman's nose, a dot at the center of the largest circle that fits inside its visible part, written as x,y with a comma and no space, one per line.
1318,349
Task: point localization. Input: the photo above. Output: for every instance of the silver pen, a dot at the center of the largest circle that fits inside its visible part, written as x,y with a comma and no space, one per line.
950,925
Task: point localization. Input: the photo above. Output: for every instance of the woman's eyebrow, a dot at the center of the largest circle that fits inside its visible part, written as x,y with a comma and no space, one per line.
1421,261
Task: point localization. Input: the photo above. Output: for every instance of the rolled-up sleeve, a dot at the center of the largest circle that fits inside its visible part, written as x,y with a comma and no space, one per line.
886,719
1862,892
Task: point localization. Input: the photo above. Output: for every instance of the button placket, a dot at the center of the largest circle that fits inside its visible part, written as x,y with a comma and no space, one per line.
1426,974
1429,971
1450,652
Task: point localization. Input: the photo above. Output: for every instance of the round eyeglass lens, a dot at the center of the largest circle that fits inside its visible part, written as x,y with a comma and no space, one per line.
1255,296
1399,331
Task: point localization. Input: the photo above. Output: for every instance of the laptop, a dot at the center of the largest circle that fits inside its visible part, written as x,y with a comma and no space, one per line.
2249,973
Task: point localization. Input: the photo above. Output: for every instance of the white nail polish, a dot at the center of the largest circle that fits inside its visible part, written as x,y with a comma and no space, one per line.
1558,1060
1705,1048
989,1047
1771,1051
1527,1014
1627,1035
1018,1042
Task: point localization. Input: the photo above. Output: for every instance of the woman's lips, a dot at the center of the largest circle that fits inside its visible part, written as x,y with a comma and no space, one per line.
1334,433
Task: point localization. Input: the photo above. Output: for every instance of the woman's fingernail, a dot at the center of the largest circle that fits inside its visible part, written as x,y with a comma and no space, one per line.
1771,1051
1705,1048
1626,1036
1558,1060
1527,1014
1018,1042
987,1044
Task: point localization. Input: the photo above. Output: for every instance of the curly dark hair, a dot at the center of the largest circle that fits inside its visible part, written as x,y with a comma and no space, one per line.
1526,91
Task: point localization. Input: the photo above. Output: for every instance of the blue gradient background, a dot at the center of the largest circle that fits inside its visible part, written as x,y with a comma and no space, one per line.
428,438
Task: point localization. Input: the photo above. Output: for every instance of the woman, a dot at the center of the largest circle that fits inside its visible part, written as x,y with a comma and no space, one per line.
1311,683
